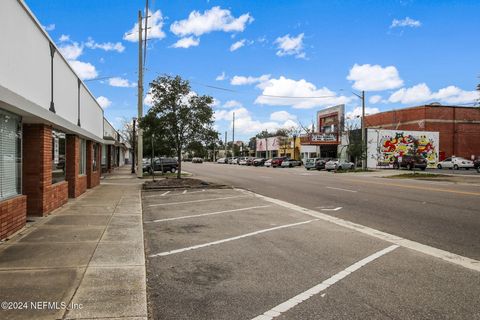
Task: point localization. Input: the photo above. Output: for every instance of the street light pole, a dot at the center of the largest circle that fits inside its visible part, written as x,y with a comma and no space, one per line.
152,165
364,142
233,137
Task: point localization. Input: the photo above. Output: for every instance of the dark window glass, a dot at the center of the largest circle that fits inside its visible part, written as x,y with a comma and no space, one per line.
58,156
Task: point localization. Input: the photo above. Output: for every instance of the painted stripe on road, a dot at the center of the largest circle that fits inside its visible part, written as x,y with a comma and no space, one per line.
289,304
193,201
348,190
165,193
206,214
230,239
465,262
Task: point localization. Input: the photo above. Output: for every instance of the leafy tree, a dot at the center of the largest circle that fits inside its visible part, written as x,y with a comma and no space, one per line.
180,115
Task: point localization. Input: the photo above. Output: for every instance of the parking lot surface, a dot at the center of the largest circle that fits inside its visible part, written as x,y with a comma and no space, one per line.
232,254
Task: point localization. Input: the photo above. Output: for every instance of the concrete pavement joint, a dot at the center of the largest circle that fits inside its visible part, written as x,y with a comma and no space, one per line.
289,304
465,262
230,239
206,214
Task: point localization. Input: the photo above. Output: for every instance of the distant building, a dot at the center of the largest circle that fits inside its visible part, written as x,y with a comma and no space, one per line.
458,127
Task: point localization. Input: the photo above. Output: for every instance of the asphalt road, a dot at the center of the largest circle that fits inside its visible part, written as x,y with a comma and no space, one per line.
230,254
439,214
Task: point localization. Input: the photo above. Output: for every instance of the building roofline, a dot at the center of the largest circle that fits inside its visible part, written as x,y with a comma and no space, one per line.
422,106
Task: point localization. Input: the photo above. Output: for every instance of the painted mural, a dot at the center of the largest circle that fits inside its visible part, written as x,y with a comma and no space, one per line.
384,146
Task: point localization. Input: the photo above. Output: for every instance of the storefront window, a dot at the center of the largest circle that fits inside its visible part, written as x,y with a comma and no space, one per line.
104,155
58,156
95,156
83,156
10,155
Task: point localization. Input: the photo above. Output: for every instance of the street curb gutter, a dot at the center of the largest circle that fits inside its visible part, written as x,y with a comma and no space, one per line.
465,262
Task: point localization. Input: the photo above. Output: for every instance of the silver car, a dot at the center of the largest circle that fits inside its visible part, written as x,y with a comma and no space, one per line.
336,164
455,163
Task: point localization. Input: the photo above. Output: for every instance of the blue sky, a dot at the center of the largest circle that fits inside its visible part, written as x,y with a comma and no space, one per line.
402,53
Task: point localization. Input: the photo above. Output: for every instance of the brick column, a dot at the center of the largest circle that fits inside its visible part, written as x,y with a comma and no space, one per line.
93,176
42,196
77,184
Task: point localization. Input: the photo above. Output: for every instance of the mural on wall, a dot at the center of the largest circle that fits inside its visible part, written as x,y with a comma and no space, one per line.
384,146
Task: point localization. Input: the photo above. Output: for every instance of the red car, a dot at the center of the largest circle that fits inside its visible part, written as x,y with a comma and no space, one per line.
277,162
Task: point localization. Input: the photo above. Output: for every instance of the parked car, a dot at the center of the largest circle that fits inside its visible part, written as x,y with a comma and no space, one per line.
320,163
277,162
268,163
197,160
168,165
222,160
242,161
455,163
476,164
259,162
249,161
310,163
410,162
232,160
336,164
290,163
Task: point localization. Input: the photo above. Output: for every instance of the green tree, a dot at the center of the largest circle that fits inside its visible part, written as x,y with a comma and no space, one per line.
183,116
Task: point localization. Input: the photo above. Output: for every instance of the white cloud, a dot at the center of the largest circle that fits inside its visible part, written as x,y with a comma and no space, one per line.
104,102
107,46
155,25
421,93
375,99
374,77
288,46
221,76
186,43
148,100
85,70
242,80
407,22
282,116
120,82
231,104
50,27
64,37
298,94
237,45
357,112
71,51
214,19
245,124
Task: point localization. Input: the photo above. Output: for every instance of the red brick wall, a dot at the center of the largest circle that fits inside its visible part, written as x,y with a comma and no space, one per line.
13,215
460,137
42,196
77,184
93,177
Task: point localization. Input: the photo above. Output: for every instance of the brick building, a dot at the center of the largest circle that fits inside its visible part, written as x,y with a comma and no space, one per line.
51,126
458,127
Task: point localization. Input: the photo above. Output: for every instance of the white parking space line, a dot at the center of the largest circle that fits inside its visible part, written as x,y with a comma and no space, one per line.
207,214
184,191
330,209
347,190
174,194
193,201
451,257
289,304
230,239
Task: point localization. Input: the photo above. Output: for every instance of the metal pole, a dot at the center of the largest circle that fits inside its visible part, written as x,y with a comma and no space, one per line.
364,144
153,160
226,154
133,144
233,136
140,97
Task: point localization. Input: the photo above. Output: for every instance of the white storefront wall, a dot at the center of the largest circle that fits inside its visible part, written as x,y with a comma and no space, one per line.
309,151
25,77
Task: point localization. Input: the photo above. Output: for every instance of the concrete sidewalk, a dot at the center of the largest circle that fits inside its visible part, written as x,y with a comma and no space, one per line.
84,261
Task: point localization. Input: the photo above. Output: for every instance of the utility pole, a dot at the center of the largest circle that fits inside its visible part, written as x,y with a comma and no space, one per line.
140,97
133,145
153,160
233,136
